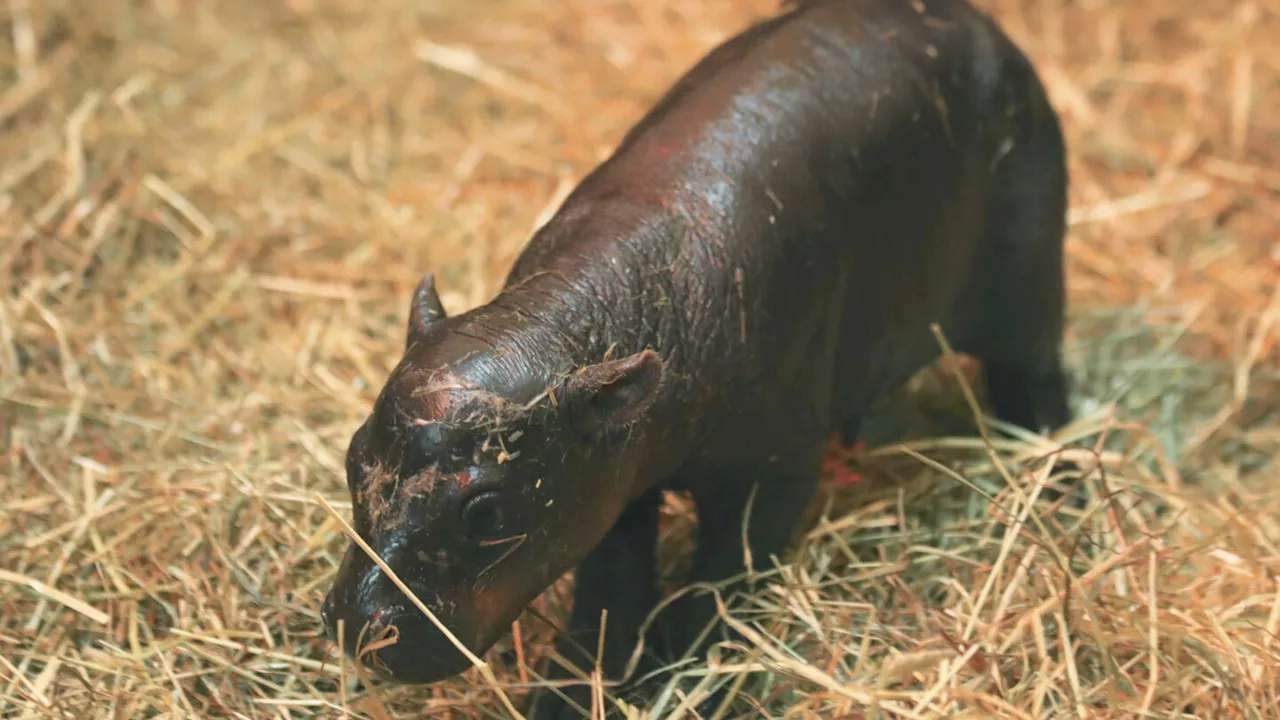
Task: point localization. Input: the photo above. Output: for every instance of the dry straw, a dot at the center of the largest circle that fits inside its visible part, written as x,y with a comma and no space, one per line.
211,217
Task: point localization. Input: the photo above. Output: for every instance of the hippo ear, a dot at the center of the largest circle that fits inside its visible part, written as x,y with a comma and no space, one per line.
612,394
424,309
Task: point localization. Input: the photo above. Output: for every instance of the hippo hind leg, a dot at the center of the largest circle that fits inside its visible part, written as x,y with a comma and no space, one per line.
1019,336
1030,397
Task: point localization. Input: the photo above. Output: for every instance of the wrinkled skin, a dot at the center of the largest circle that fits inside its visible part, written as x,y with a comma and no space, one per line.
756,265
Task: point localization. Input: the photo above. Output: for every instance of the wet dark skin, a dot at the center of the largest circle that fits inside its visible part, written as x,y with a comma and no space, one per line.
758,263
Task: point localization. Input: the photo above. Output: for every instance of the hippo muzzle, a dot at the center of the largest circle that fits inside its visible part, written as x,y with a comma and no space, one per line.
373,609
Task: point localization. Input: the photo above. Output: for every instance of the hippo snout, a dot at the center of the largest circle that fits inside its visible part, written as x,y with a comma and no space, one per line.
374,612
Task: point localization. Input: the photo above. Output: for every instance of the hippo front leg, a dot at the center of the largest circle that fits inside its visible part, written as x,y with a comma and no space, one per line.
619,576
783,486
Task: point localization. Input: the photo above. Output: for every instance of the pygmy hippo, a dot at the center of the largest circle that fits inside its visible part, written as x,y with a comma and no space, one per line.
758,262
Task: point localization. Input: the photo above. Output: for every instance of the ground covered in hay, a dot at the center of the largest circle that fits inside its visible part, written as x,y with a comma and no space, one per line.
211,216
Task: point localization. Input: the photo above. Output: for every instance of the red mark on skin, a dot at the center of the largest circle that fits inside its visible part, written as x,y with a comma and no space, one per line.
836,466
379,616
437,402
427,479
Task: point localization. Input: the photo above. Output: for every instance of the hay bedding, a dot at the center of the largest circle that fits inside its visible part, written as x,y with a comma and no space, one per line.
212,216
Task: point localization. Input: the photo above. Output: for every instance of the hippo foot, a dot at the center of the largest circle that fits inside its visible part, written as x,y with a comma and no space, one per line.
575,704
547,704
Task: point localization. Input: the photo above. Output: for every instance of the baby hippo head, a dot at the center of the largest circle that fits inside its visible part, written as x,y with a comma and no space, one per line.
478,488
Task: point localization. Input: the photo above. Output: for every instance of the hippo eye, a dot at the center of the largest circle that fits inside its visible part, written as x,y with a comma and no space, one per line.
482,518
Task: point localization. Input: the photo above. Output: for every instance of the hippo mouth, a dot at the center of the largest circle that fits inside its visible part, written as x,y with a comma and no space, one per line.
387,632
397,641
418,653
